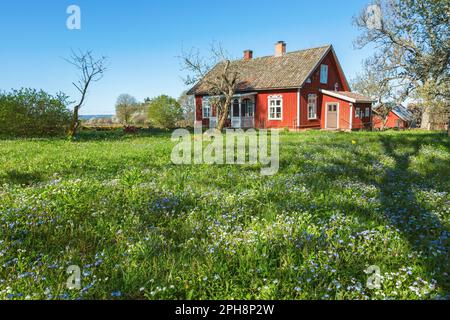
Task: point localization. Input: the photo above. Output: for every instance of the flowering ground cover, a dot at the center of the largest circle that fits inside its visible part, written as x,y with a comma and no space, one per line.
140,227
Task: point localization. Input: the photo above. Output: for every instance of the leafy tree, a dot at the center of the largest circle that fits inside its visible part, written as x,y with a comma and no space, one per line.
126,106
28,112
412,38
164,112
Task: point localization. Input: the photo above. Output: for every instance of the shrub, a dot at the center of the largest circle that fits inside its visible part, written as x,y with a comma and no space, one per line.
164,112
28,112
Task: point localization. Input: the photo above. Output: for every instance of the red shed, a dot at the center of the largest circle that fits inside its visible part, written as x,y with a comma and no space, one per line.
399,118
304,89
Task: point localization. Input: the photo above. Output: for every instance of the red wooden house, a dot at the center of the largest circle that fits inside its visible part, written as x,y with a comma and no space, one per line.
304,89
398,118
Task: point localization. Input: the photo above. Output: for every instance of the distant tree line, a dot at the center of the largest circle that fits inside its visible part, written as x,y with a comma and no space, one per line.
30,113
160,112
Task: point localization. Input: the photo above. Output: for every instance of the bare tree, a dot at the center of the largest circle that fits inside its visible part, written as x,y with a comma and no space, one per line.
187,103
218,74
90,70
126,107
412,41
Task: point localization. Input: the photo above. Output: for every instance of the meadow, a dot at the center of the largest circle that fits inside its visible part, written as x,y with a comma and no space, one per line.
140,227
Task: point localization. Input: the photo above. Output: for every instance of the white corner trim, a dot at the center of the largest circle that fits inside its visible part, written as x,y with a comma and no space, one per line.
298,107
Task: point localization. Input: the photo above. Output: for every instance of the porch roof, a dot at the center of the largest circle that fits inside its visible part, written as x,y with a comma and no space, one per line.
238,95
348,96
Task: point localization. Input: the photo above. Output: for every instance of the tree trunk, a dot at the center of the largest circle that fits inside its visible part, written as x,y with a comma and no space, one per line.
74,124
224,115
426,124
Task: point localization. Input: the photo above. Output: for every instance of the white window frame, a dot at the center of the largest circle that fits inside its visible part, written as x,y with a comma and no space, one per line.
206,106
358,112
275,98
367,112
314,106
324,74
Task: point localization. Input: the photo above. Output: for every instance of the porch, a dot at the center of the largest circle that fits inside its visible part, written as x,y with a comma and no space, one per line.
241,113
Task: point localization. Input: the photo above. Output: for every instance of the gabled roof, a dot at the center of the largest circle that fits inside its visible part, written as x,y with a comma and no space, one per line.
348,96
286,72
400,111
403,113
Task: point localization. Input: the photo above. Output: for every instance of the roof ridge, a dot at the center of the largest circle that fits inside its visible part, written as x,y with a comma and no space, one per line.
288,53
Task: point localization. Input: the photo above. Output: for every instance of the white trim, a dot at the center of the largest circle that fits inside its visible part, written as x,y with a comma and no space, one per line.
345,98
324,69
338,115
351,116
275,98
330,49
298,107
307,106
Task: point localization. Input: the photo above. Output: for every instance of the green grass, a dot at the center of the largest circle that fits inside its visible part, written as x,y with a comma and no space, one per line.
140,227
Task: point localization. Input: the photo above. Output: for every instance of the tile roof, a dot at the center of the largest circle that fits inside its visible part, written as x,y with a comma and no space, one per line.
288,71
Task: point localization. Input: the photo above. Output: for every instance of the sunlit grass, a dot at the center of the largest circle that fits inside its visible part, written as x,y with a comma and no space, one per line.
140,227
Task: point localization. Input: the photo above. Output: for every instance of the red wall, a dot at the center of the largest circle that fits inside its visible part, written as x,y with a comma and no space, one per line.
289,109
393,121
344,113
334,77
290,103
365,122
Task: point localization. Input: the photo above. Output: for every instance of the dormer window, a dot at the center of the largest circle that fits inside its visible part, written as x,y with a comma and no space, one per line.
324,74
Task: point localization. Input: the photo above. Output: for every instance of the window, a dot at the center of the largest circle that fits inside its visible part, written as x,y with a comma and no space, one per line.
248,108
324,74
367,112
236,108
206,110
312,106
308,80
358,112
275,108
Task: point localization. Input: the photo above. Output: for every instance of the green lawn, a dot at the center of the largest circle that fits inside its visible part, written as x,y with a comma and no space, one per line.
140,227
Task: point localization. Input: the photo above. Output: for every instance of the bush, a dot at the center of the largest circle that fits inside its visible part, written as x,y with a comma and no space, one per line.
27,112
164,112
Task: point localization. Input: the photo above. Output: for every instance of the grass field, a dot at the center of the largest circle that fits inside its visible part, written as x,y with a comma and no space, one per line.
140,227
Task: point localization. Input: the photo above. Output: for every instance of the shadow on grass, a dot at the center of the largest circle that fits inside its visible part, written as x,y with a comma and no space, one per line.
423,230
22,178
119,134
399,205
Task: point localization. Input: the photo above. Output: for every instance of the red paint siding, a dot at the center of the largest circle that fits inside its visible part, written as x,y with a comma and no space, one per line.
364,122
290,102
344,114
393,121
289,110
334,77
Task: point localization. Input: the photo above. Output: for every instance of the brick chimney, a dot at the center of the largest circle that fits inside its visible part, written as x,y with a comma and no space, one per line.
280,48
248,55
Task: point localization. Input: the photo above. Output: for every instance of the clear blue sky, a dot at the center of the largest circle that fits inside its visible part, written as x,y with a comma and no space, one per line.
143,39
